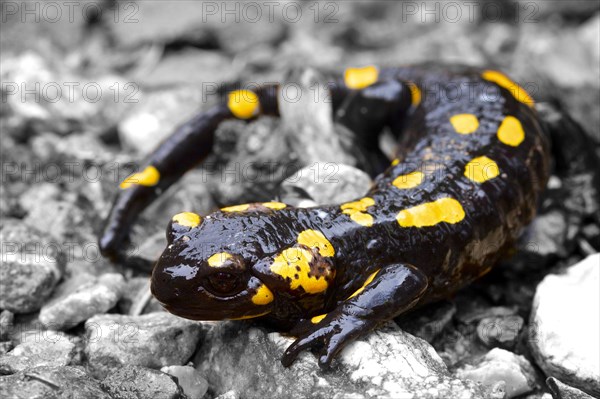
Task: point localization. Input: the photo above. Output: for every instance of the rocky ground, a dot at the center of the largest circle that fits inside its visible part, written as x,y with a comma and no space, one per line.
88,92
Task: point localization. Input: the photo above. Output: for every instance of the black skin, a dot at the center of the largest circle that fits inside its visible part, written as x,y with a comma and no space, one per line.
414,265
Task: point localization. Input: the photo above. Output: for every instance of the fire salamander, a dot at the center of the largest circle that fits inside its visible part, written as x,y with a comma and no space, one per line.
472,161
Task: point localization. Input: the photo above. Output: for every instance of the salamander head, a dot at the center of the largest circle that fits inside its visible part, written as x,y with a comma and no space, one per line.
206,273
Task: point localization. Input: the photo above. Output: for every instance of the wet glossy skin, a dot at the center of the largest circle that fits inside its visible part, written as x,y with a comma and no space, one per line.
467,178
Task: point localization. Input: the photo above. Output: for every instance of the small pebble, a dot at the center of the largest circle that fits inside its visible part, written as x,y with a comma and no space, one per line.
229,395
563,391
95,297
7,319
565,325
192,382
156,116
60,382
26,281
429,323
152,340
40,348
386,363
329,183
135,292
501,365
500,331
131,382
5,347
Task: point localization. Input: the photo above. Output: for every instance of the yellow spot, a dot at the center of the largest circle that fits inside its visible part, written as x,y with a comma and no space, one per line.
481,169
148,177
252,316
274,205
359,78
446,210
293,264
361,205
364,219
236,208
484,271
356,210
316,239
409,180
218,259
504,81
464,123
243,104
367,281
511,131
263,296
317,319
415,94
188,219
395,162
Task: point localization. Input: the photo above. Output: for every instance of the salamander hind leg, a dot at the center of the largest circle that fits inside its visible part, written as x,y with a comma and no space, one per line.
367,111
385,294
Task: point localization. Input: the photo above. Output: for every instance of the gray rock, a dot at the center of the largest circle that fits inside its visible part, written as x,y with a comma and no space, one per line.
44,348
41,192
562,68
499,365
72,153
19,237
156,27
229,395
68,218
156,116
470,311
387,363
382,357
146,247
563,391
254,28
543,9
250,161
192,382
565,327
428,323
136,290
96,297
56,31
26,281
7,204
500,331
476,317
7,319
57,107
200,69
153,340
306,116
133,382
544,240
329,182
295,196
5,347
66,221
51,382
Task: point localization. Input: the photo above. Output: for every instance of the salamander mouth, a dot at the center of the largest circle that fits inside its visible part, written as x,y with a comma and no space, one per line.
212,314
196,303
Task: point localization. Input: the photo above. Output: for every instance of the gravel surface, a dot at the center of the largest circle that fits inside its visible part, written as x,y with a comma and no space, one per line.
86,94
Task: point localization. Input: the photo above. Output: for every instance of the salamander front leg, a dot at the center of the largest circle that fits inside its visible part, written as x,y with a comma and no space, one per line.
385,294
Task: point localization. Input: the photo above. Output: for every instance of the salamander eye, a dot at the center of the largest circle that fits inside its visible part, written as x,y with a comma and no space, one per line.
222,283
